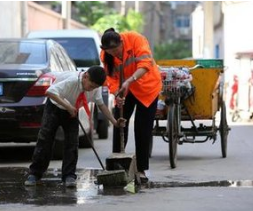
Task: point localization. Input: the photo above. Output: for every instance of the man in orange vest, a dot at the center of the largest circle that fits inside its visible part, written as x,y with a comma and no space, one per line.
127,58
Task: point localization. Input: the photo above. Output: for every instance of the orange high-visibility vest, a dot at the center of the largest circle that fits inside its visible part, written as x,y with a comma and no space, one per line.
136,54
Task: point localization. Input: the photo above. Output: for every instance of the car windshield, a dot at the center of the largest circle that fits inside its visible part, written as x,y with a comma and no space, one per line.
83,51
19,52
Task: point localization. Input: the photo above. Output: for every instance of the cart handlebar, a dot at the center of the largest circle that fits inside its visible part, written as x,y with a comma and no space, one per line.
195,67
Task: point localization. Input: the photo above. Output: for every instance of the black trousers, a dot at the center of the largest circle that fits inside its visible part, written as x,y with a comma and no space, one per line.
53,117
143,125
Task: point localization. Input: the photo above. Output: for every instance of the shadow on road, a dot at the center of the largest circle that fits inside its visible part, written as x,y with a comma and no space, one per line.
15,153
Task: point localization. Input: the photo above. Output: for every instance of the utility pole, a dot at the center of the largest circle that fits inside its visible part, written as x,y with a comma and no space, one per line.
66,14
152,25
208,29
23,14
123,8
136,6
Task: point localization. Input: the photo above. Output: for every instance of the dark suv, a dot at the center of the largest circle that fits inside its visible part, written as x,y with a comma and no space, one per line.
82,45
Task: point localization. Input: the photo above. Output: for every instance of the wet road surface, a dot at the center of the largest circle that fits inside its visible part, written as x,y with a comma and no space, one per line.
52,192
202,180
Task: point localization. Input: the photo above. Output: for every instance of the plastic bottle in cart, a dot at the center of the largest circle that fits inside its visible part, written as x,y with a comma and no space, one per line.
182,74
176,73
160,108
169,73
185,69
188,77
160,104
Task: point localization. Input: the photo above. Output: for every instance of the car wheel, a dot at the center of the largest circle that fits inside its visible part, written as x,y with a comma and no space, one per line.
102,129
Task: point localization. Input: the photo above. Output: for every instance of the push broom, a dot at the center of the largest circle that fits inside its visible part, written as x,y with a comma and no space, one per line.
107,178
122,160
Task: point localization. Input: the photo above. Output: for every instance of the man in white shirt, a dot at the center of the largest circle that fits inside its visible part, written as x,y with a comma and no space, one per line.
61,110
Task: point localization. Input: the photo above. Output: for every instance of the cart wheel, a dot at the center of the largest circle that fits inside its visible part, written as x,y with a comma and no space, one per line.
224,129
150,146
172,126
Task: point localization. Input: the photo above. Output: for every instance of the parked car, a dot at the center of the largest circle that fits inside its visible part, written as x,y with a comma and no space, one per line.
25,67
83,47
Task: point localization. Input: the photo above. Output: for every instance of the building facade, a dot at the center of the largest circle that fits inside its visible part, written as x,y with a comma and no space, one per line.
221,30
30,16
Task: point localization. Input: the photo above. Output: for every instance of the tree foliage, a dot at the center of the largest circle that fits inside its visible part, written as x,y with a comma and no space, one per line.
98,15
132,21
135,20
88,12
172,50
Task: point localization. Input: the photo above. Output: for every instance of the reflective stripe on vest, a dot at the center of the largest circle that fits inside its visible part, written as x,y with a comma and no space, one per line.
131,60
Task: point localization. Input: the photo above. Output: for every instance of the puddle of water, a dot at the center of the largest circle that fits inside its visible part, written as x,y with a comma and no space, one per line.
53,192
242,183
223,183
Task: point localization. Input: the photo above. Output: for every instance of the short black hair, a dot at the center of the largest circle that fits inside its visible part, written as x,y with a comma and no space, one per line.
97,74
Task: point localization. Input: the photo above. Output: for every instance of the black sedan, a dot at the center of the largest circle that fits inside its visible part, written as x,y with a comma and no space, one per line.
25,66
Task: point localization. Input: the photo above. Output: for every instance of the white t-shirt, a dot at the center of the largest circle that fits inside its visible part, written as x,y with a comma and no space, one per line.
68,85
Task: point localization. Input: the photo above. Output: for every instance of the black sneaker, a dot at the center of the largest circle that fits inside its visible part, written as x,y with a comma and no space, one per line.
143,178
32,180
70,182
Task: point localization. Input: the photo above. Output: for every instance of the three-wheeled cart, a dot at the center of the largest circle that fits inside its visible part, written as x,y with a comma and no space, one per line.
195,106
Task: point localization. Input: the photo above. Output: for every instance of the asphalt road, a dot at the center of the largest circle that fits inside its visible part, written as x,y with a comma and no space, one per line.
203,180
